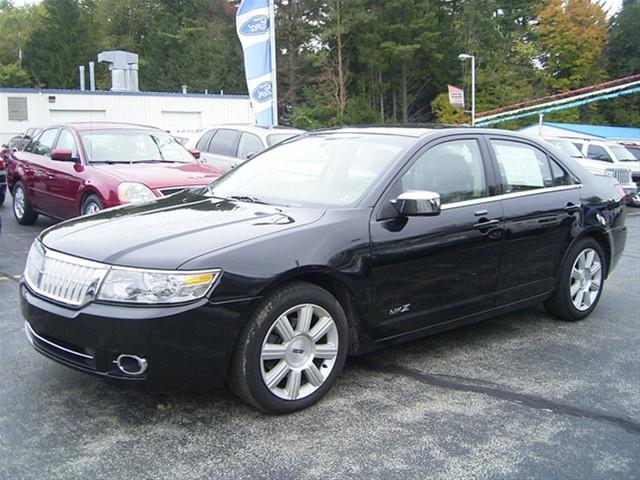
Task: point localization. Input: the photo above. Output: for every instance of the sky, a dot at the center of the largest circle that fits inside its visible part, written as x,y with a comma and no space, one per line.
611,6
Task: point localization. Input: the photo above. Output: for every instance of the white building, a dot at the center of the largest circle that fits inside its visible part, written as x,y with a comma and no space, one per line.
21,108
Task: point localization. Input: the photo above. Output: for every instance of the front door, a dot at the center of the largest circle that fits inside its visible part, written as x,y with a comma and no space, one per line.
428,271
64,181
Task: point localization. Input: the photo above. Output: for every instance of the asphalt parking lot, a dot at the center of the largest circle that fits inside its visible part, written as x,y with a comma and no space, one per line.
519,396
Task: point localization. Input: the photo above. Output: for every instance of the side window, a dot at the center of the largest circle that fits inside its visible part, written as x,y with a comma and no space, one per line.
44,144
522,167
249,143
578,145
596,152
453,169
203,143
67,142
224,142
559,175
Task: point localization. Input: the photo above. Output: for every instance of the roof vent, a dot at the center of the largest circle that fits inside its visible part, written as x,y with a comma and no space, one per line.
124,69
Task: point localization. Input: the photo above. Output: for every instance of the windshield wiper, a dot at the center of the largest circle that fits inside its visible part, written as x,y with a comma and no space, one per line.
155,160
247,198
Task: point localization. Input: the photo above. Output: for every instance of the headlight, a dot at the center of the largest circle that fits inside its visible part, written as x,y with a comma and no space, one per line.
35,263
129,192
155,287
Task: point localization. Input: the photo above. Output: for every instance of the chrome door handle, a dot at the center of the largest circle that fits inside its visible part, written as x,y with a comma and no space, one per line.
486,224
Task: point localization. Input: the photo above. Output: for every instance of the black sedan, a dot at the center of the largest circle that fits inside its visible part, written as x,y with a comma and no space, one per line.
333,243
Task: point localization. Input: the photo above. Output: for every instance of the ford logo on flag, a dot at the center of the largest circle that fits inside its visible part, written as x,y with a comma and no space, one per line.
262,92
255,25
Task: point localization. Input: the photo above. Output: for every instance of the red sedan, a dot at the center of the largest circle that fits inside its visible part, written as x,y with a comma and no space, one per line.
80,168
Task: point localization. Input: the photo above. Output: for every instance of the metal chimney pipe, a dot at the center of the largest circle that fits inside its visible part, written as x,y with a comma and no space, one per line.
92,76
81,68
134,77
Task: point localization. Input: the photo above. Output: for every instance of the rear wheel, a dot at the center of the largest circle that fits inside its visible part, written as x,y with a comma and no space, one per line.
2,197
292,351
22,210
91,204
580,283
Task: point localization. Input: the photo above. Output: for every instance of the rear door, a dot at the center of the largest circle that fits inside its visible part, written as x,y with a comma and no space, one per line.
221,151
35,158
428,271
541,204
64,181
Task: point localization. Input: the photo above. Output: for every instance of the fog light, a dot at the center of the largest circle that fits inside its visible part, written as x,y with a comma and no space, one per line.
131,364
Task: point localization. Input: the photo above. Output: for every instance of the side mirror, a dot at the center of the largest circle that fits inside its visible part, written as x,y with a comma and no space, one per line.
415,203
62,155
195,153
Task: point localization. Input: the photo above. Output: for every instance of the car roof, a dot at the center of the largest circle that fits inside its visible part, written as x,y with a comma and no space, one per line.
418,130
107,126
258,129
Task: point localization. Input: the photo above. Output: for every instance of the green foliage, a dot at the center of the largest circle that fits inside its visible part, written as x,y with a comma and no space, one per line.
623,48
446,114
341,61
12,75
62,38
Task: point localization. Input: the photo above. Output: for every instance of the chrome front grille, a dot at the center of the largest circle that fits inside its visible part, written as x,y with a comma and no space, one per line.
63,278
621,174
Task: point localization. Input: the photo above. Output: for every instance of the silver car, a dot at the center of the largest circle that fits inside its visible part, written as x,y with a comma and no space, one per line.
226,146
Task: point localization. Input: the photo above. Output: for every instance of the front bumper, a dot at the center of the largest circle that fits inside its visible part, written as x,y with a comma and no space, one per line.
184,346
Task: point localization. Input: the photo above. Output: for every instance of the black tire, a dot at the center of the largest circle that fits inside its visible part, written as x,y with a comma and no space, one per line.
561,303
3,196
91,201
245,375
25,215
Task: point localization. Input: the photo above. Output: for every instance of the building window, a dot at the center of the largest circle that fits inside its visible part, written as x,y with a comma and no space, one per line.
17,108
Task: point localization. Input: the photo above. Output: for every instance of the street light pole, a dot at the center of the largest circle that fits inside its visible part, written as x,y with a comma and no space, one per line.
464,56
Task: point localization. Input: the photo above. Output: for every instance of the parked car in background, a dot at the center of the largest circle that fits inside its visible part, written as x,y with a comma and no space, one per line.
615,170
19,142
3,173
227,146
610,152
79,168
634,148
333,243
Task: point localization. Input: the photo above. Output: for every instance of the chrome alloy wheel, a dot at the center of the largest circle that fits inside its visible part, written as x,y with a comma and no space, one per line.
91,207
586,279
299,352
19,202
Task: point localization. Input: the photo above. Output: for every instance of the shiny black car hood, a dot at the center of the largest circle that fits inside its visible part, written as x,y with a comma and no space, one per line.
168,232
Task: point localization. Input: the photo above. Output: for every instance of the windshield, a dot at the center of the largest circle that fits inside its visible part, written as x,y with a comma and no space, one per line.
133,146
275,138
622,154
321,170
635,150
568,147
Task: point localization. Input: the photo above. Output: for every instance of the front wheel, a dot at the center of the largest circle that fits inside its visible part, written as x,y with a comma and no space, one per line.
292,351
580,283
91,204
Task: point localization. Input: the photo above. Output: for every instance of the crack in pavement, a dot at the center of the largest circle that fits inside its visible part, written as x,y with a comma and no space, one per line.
533,401
8,276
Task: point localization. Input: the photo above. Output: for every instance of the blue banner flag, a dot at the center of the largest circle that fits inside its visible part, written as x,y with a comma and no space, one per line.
254,24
